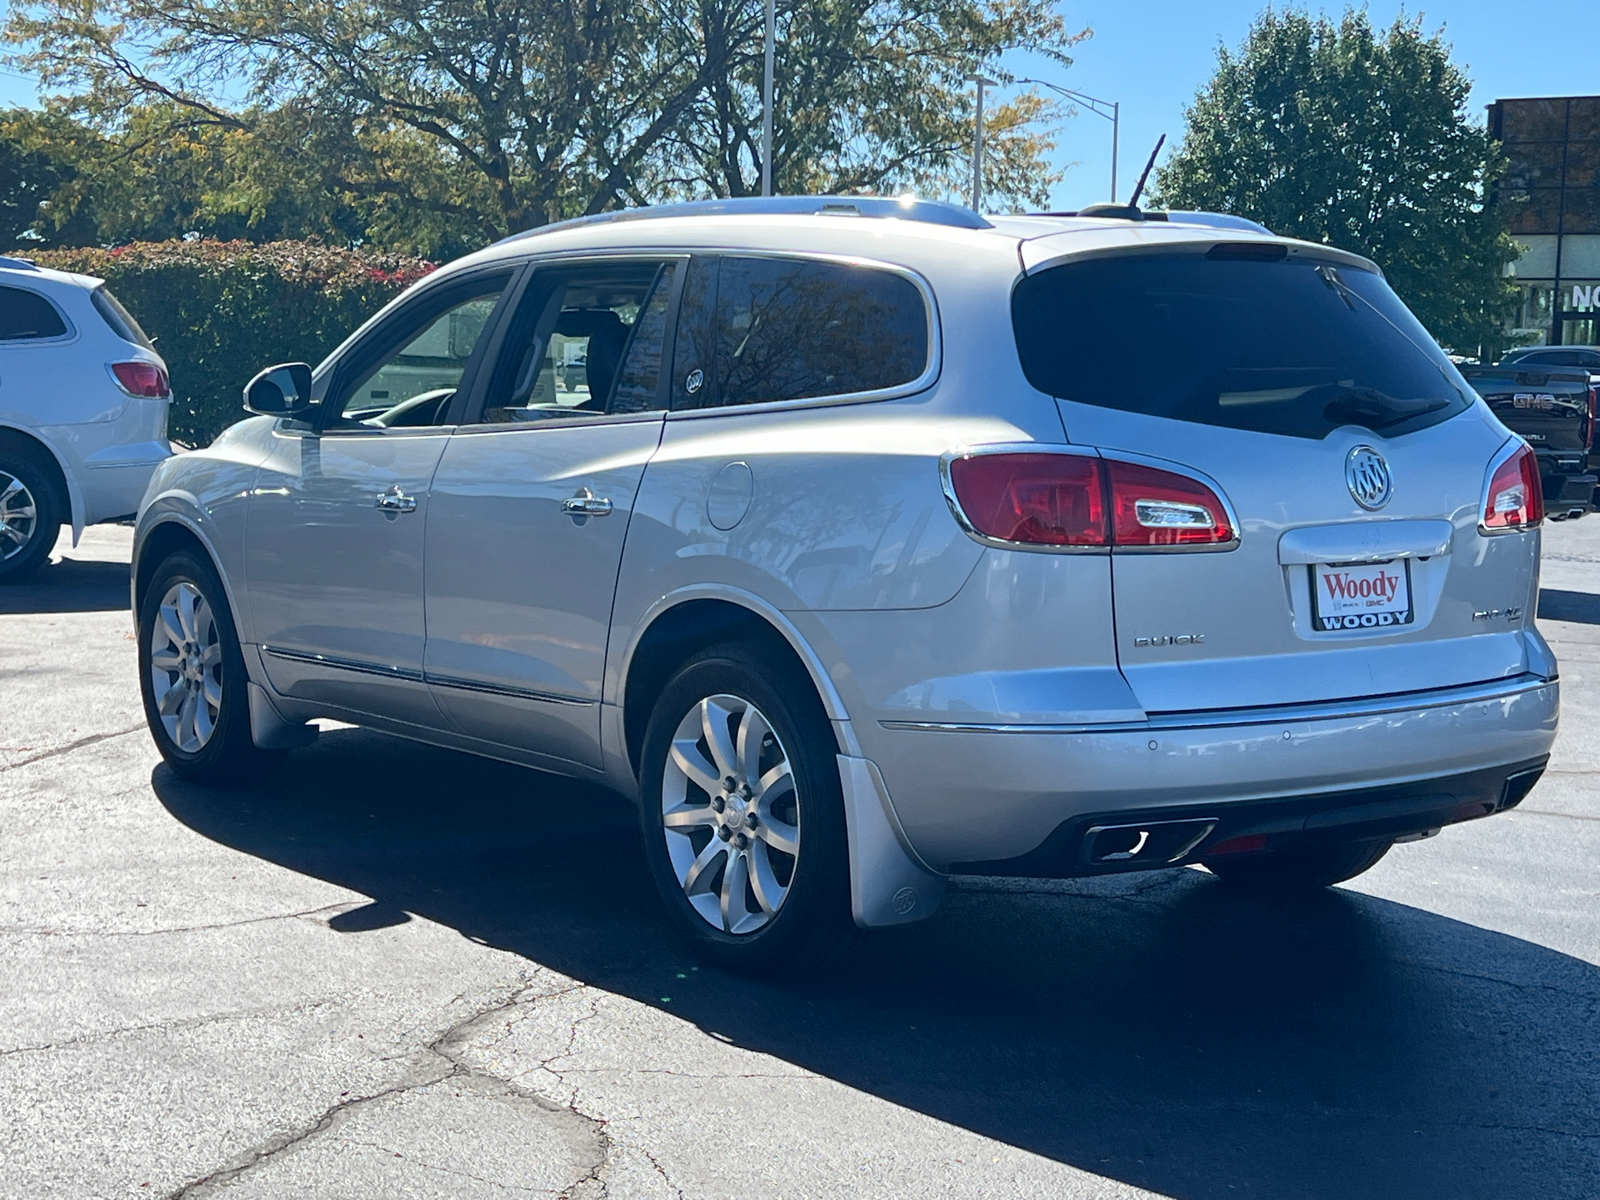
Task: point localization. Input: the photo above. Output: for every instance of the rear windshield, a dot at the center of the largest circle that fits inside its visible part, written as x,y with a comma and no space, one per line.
1283,347
119,318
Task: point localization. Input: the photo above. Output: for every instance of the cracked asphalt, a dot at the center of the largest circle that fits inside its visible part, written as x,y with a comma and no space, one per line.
390,970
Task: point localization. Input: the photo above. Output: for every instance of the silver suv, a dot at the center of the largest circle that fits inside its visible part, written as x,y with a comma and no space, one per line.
880,542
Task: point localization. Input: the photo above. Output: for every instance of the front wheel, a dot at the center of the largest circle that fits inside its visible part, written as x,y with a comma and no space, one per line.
1298,870
192,675
743,815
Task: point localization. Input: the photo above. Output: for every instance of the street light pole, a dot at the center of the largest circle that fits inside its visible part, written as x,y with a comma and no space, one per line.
977,143
1097,107
766,101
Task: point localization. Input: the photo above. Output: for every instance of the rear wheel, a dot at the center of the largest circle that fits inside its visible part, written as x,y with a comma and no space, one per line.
743,816
1298,870
192,675
31,514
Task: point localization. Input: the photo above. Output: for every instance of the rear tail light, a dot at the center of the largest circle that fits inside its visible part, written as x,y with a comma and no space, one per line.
1594,411
1151,507
1032,499
143,379
1029,498
1513,500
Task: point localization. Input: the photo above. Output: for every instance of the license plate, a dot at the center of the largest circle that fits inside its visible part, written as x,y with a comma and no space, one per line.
1361,596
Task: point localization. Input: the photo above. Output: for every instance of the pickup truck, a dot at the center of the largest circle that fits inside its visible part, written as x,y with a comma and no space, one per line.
1554,408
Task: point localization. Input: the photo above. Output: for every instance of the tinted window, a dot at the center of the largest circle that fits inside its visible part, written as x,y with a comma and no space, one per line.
1281,347
120,319
1557,358
793,329
26,314
585,341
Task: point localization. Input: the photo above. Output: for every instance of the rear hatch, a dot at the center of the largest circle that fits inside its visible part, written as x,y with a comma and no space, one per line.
1350,449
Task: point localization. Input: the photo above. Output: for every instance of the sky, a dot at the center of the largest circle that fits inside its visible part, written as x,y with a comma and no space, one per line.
1153,55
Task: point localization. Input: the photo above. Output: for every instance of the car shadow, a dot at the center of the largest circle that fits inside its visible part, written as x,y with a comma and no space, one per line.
1557,605
1152,1029
69,585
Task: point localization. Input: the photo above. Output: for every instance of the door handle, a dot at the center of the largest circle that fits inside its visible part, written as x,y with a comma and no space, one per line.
394,500
585,504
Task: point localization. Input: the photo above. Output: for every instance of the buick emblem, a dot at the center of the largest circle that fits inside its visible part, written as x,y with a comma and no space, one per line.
1368,477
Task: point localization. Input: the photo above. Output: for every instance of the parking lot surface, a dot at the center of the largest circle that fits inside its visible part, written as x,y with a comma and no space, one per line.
392,970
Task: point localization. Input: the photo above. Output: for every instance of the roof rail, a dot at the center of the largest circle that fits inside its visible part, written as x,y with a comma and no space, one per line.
18,264
905,208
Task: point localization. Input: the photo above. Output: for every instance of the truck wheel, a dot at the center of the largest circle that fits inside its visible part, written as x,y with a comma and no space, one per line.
743,814
192,675
1297,870
30,514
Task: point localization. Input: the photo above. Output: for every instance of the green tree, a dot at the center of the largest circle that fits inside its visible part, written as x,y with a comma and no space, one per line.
476,118
29,177
1335,134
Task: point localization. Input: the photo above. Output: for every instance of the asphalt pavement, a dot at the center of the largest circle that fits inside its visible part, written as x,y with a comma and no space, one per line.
390,970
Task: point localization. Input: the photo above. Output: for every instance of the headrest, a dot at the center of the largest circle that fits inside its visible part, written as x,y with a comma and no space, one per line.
587,322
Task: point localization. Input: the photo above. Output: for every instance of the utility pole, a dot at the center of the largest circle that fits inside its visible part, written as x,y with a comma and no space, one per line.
1097,107
766,101
977,143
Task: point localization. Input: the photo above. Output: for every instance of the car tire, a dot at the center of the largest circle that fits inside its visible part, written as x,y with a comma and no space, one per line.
192,675
1298,870
31,513
721,856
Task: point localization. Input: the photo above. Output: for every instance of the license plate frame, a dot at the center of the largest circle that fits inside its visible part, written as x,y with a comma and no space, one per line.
1354,613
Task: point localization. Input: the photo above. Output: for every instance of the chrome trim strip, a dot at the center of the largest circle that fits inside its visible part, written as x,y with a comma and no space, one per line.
1222,718
343,664
470,685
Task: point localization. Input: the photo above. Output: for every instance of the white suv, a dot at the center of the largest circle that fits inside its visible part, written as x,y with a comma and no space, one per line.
882,542
83,410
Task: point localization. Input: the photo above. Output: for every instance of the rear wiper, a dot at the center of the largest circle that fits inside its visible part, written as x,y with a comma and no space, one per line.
1330,276
1375,409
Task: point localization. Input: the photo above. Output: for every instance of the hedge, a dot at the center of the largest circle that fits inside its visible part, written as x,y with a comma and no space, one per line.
220,311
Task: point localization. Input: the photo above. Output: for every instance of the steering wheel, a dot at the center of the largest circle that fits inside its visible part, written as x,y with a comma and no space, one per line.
425,408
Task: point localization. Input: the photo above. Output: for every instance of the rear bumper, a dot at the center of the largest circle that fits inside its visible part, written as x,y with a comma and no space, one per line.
1108,843
974,794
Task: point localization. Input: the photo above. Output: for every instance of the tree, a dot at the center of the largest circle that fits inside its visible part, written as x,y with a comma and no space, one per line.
1333,134
495,117
28,178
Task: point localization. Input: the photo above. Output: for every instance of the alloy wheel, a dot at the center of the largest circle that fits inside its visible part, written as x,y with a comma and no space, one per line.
186,667
730,814
19,516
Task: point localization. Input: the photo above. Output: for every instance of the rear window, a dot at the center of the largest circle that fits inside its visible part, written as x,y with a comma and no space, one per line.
789,329
25,315
1285,347
119,318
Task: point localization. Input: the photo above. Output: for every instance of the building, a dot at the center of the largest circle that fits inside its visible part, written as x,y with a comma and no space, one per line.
1553,180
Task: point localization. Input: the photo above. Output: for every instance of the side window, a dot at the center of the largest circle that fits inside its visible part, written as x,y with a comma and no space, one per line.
26,315
586,341
793,329
414,383
120,319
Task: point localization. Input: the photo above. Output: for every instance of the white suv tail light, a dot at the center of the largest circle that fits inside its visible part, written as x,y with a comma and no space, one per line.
143,379
1078,500
1513,499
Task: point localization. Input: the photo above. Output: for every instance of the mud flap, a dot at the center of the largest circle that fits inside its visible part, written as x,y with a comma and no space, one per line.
889,885
268,728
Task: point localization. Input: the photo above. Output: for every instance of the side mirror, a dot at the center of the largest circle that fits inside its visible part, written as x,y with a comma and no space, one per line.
280,391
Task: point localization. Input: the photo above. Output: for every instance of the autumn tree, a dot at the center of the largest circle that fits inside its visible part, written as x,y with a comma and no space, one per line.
453,120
